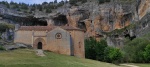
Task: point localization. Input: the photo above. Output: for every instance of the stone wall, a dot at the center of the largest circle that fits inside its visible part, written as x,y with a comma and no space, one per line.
28,37
23,37
58,40
78,42
58,44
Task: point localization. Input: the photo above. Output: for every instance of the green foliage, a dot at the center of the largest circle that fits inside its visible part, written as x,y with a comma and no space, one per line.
126,1
147,53
44,3
90,45
95,49
24,6
61,3
98,50
103,1
133,50
112,55
122,30
55,1
2,48
28,58
4,26
48,11
33,7
74,2
100,47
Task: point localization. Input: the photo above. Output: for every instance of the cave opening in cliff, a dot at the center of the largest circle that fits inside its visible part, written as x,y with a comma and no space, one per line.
27,21
39,22
130,37
82,25
60,20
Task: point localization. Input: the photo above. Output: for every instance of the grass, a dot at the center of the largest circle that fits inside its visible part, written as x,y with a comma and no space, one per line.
143,65
28,58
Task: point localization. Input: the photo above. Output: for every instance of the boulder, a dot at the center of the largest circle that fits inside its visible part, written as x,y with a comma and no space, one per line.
19,45
10,47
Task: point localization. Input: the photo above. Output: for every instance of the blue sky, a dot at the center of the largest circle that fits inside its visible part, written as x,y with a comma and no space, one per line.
30,1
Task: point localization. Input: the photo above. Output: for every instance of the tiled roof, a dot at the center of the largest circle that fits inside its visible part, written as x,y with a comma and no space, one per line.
36,28
49,28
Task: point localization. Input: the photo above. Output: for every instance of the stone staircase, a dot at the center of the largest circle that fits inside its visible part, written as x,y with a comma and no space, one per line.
40,53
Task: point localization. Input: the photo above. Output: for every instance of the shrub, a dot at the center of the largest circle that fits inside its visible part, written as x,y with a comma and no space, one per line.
103,1
147,54
133,50
95,49
112,55
73,2
4,26
48,11
99,49
1,48
90,48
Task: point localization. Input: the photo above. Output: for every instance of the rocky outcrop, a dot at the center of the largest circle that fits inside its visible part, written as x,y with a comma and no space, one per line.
100,17
97,19
144,8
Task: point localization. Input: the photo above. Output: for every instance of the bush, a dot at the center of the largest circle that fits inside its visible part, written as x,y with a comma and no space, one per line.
103,1
74,2
147,54
95,49
4,26
99,49
90,52
112,55
1,48
133,50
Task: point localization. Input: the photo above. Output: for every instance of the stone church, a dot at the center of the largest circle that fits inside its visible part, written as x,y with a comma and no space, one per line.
66,40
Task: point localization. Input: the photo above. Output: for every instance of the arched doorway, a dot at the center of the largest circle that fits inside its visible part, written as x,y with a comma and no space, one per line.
39,45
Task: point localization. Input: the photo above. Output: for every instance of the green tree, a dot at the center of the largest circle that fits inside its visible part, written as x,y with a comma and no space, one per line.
44,3
133,50
48,10
90,48
112,54
103,1
147,53
100,47
73,2
2,48
55,1
4,26
95,49
24,6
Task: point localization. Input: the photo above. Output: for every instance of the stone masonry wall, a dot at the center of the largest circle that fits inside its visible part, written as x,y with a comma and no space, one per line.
60,45
78,42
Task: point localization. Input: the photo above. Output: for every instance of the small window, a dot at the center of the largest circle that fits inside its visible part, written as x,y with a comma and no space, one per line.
58,36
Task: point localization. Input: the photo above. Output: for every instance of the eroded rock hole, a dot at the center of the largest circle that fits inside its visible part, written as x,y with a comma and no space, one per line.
82,25
60,20
39,22
26,21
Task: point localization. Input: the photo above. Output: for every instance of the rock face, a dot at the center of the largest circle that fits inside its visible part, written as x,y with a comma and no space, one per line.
96,18
144,8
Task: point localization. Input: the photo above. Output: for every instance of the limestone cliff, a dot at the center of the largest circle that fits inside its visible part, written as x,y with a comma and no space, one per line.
97,19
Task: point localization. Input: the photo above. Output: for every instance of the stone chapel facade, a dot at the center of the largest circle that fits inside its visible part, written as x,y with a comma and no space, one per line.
66,40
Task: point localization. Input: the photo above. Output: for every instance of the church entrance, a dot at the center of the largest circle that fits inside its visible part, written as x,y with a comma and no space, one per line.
39,45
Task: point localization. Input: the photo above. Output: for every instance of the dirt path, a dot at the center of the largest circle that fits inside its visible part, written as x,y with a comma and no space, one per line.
129,65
